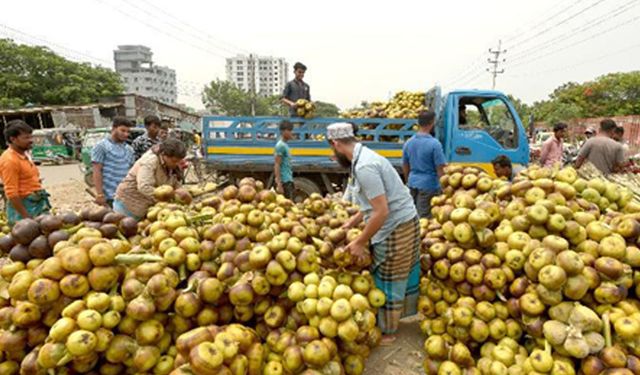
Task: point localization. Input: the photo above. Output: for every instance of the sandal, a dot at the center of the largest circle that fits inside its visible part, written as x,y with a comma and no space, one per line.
388,340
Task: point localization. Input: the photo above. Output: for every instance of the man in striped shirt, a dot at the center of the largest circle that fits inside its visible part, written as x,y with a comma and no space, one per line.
111,157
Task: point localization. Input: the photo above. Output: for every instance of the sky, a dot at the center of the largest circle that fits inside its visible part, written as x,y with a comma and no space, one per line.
354,50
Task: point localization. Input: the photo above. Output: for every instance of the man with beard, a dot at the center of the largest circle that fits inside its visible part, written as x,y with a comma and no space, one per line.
392,230
20,175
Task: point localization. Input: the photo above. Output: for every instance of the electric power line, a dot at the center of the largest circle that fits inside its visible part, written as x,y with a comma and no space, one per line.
495,62
563,21
564,48
58,48
545,18
196,35
160,30
584,62
213,39
576,31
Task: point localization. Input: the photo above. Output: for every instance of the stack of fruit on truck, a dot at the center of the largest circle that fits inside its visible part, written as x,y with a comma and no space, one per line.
237,282
538,276
403,105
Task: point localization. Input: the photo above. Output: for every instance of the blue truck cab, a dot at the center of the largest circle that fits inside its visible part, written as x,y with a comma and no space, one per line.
474,126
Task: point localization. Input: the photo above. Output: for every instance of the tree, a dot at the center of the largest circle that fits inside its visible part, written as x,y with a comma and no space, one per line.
614,94
38,76
224,97
324,109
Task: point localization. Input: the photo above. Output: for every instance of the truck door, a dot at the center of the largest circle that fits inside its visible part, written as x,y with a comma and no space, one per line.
484,128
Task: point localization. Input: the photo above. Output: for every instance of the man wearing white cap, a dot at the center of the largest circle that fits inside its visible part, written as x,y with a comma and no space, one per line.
391,226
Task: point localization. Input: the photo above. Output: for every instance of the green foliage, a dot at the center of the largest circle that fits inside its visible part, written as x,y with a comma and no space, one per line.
224,97
36,75
324,109
614,94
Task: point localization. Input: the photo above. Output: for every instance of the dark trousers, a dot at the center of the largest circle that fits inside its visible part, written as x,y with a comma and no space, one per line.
288,188
422,200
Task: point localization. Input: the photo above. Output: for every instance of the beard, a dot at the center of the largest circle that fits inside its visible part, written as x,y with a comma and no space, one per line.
342,160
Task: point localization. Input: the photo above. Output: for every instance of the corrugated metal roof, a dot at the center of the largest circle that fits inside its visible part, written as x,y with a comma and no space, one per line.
49,108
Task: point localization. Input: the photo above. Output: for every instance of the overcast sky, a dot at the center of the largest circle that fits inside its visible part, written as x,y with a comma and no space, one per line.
355,50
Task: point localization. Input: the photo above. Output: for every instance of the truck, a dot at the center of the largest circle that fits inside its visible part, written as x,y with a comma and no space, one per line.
474,126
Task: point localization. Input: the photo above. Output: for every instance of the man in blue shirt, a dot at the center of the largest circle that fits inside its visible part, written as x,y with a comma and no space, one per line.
112,157
282,166
423,164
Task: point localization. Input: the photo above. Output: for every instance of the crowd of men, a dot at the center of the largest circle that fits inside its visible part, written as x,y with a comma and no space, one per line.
125,177
606,150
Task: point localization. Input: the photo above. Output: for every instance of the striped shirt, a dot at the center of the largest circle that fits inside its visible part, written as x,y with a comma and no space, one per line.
116,159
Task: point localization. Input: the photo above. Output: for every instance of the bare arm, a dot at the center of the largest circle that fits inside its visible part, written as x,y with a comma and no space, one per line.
287,102
97,183
580,160
440,170
11,178
276,171
543,153
16,202
406,168
354,220
378,216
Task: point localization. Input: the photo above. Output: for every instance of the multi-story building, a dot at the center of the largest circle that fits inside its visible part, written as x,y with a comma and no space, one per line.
140,76
268,74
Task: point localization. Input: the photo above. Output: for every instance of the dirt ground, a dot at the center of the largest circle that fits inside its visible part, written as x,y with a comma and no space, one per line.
68,192
66,186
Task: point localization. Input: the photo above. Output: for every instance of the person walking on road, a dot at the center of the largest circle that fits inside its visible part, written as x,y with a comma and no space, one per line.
602,150
423,164
20,176
150,137
296,89
553,148
282,166
160,166
391,226
112,157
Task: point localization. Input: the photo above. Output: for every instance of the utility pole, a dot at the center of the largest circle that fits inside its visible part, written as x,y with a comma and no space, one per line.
252,87
495,62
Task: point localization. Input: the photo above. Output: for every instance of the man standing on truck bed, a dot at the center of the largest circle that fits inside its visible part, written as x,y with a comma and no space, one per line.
282,166
296,89
553,147
391,226
423,164
111,157
602,150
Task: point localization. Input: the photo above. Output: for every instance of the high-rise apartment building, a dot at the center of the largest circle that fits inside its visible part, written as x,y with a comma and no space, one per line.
140,76
268,74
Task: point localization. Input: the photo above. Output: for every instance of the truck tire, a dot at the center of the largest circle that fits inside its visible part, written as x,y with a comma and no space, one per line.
304,187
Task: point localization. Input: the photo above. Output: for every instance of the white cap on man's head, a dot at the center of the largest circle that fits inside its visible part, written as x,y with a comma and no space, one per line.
340,130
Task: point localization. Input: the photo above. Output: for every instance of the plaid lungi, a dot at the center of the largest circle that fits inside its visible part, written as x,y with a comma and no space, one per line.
396,271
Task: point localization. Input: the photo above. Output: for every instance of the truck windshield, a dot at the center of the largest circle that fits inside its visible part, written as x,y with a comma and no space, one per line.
491,115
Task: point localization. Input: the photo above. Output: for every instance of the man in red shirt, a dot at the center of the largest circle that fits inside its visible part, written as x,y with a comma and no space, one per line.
552,148
20,175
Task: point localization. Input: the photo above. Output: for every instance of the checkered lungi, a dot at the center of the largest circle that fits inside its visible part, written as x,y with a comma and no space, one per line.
396,271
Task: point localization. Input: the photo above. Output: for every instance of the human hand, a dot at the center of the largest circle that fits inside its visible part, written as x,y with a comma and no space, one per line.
101,200
357,250
279,188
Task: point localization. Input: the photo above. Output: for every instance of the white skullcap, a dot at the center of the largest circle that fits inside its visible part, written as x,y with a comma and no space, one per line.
340,130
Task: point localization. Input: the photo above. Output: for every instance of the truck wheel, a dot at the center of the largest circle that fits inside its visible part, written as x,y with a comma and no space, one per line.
304,187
